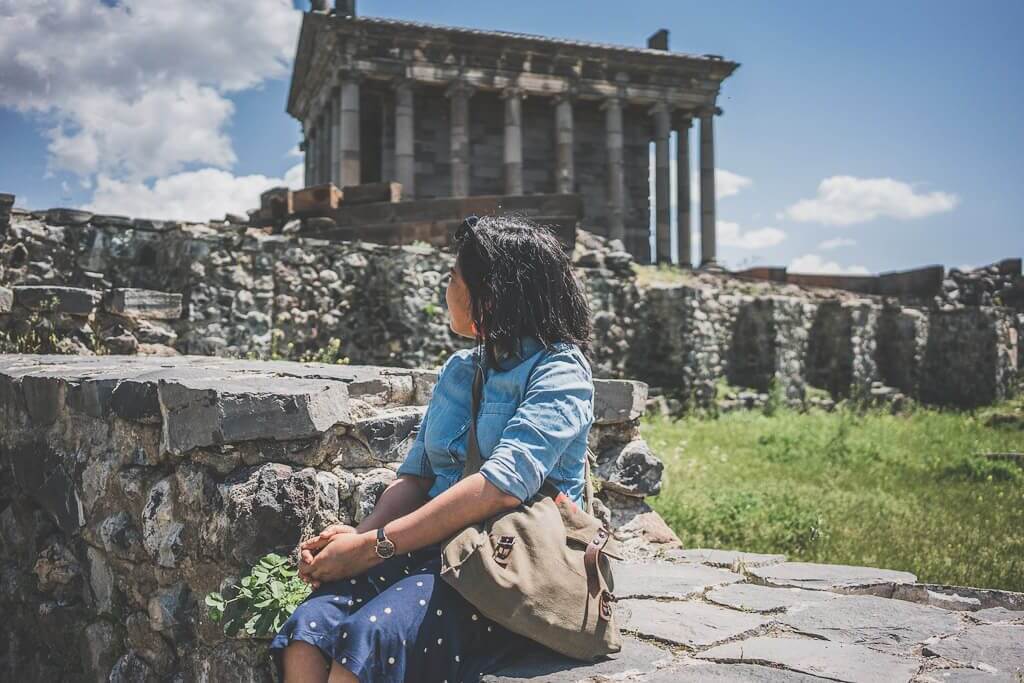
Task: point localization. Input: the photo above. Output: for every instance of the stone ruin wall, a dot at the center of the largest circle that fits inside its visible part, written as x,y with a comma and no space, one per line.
249,294
131,487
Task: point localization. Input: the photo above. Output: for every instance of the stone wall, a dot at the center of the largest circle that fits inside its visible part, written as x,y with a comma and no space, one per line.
250,294
131,487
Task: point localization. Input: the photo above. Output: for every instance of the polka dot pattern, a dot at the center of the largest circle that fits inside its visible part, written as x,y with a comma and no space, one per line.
378,633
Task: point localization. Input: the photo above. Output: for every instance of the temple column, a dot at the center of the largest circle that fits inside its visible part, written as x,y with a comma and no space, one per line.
405,154
684,235
323,138
707,187
662,180
616,177
304,148
313,149
351,167
513,140
565,170
334,114
459,94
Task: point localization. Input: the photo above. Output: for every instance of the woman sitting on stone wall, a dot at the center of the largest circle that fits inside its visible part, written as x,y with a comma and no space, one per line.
372,617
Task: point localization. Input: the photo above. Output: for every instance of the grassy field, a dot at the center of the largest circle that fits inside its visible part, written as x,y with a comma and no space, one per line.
906,492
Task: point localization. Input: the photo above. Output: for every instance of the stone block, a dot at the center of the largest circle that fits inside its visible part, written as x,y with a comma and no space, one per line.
836,661
667,580
370,193
6,300
388,434
67,217
996,648
151,225
751,597
618,400
319,198
631,469
832,577
895,626
725,559
54,299
688,624
144,303
198,413
636,660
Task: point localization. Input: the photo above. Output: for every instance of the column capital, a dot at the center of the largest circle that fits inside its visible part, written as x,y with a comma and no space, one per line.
350,75
570,93
612,101
459,87
683,118
658,109
512,91
402,83
708,112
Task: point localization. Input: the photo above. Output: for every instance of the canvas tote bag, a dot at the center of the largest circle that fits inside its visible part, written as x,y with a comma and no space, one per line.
540,569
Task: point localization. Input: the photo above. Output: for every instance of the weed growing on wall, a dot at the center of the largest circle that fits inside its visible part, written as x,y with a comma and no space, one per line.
262,601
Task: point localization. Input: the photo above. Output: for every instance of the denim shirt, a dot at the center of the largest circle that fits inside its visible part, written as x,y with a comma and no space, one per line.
535,415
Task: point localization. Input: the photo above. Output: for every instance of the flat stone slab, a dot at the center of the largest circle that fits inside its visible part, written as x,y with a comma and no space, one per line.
727,559
892,625
832,577
633,662
198,413
696,671
144,303
996,615
997,648
837,661
618,400
688,623
667,579
751,597
52,299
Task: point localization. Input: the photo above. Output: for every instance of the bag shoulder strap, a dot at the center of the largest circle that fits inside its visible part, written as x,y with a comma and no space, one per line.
474,461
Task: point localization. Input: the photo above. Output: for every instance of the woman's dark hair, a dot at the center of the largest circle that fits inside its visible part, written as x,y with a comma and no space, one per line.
521,283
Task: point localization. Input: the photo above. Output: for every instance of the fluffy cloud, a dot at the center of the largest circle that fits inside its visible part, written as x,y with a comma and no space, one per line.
136,89
837,243
730,235
845,200
812,263
189,196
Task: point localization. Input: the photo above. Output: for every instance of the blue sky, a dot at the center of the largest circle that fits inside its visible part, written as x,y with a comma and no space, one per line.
912,109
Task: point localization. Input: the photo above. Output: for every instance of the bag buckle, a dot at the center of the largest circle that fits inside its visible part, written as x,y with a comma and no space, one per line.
606,605
503,548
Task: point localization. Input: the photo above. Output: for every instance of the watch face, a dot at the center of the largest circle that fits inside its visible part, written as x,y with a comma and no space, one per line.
385,548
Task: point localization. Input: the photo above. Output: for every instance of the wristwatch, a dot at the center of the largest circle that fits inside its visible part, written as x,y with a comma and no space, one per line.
385,548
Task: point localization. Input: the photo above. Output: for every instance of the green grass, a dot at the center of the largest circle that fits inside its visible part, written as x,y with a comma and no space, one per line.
902,492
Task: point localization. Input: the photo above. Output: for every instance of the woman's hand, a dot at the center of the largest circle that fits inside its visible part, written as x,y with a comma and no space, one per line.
312,546
346,554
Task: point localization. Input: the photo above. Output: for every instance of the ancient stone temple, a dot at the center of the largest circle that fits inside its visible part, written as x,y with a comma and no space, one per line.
458,112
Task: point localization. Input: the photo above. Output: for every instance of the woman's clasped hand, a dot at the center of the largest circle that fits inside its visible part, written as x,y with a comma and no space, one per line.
338,552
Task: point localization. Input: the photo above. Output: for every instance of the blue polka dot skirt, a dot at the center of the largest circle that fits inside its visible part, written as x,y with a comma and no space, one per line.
399,622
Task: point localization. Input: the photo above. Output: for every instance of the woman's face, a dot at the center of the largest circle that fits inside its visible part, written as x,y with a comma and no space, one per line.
460,318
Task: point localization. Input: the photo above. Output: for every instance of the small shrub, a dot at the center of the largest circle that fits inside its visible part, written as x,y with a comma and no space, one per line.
262,601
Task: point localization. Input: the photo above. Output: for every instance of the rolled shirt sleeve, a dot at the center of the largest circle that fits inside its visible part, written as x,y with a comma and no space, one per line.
557,407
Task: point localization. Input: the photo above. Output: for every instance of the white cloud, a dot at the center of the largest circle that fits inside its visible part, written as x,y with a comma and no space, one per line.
137,88
730,235
189,196
845,200
837,243
813,263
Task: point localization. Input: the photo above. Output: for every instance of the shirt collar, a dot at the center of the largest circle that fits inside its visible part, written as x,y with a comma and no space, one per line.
530,344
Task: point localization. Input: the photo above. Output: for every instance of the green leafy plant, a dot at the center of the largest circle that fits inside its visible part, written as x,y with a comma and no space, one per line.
262,601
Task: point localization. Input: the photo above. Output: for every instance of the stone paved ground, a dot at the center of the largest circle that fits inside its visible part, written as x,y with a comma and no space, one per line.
723,616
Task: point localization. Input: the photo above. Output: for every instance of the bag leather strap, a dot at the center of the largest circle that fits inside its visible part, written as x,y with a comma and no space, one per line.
474,461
